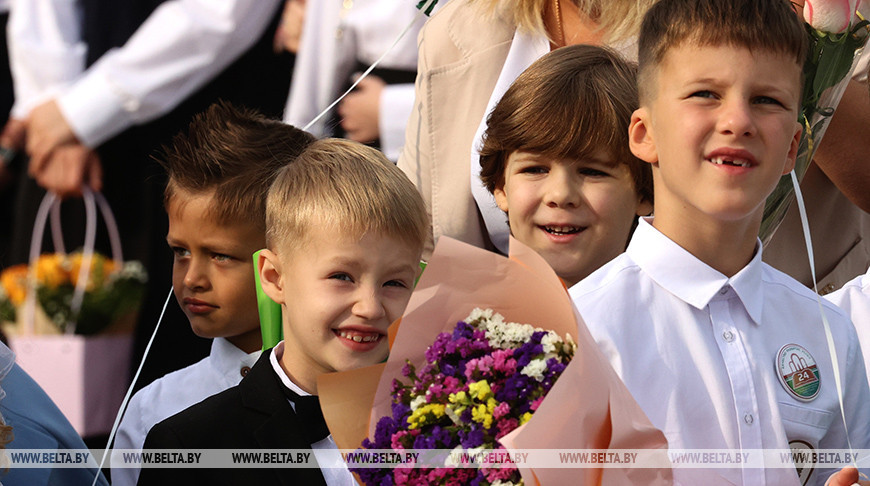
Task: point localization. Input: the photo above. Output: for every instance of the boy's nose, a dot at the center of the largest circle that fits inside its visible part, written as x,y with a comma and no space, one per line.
562,190
196,276
369,305
737,119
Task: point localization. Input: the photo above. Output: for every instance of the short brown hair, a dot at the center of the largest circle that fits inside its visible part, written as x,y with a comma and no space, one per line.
769,25
348,185
570,103
234,152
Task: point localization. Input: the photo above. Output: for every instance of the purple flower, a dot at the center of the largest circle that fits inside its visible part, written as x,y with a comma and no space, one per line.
472,438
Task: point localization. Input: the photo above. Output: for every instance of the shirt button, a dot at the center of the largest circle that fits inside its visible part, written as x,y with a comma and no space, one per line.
827,289
748,419
723,291
728,336
244,371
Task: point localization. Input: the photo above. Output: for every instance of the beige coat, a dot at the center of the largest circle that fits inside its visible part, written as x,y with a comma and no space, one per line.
462,52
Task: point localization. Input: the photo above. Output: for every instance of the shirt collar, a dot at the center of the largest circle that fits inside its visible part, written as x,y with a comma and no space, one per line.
277,353
228,359
696,283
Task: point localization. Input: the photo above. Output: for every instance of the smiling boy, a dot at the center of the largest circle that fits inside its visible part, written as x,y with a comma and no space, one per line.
555,156
345,231
720,350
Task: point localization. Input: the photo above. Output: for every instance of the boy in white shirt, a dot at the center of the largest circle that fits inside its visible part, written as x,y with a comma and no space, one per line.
219,175
854,298
345,232
720,350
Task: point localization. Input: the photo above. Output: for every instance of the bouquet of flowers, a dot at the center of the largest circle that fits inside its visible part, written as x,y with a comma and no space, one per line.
462,378
480,382
837,32
111,291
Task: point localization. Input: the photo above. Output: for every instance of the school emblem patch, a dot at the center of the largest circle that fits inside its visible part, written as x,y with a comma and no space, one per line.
801,454
798,373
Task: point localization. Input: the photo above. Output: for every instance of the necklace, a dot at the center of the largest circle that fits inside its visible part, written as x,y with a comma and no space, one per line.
559,24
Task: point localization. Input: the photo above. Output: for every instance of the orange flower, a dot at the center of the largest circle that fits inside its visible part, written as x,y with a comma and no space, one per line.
52,270
14,281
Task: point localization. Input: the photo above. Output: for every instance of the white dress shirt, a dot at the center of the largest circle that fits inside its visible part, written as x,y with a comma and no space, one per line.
181,46
854,299
332,466
698,352
223,368
326,61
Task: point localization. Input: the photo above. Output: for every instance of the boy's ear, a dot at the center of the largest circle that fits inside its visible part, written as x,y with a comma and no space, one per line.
793,149
500,197
640,137
270,275
644,208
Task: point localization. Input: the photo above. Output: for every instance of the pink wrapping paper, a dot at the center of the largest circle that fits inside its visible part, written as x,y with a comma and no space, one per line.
524,289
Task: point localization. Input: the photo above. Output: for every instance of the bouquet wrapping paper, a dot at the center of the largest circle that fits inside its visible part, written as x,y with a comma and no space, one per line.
523,288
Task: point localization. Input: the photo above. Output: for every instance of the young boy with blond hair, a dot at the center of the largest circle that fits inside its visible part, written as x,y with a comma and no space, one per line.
219,174
555,156
345,231
720,350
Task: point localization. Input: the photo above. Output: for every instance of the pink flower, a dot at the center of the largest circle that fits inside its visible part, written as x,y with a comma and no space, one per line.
537,403
831,16
501,410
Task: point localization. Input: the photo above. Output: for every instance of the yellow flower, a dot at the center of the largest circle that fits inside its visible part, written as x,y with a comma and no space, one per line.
479,390
14,281
525,417
422,415
52,270
100,267
482,413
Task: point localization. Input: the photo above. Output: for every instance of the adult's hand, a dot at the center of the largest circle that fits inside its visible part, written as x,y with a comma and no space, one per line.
47,130
290,29
847,476
68,168
360,110
11,144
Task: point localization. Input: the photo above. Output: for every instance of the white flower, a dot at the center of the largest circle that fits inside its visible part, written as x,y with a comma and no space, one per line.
535,369
418,401
549,342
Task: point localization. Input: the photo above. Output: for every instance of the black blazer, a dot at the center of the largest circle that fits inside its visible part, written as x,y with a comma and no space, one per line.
255,414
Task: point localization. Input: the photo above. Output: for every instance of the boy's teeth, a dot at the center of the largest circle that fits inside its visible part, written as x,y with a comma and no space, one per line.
725,161
562,230
360,338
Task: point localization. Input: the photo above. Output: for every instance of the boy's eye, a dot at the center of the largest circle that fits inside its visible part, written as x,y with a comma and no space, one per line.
535,169
341,276
590,172
221,257
395,283
702,94
767,100
180,252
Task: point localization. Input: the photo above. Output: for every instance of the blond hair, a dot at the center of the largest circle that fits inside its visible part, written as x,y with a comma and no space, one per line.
347,185
619,20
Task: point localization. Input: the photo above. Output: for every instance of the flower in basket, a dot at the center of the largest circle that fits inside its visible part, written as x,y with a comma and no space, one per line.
110,292
837,31
479,382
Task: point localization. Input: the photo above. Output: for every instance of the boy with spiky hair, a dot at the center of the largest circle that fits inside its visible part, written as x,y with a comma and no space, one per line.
721,350
345,231
219,176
